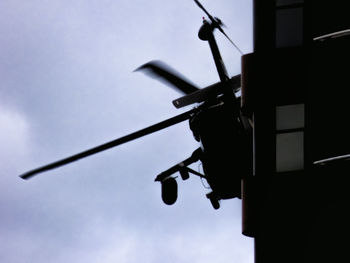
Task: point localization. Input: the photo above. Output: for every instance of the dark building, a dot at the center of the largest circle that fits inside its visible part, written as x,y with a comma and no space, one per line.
295,88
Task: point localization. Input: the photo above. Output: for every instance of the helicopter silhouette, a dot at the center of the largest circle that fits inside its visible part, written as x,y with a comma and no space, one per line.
217,123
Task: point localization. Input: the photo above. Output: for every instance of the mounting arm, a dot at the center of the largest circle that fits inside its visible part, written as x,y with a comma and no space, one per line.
182,167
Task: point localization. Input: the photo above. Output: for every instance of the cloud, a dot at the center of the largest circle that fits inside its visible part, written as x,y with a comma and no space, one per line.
97,238
67,85
14,137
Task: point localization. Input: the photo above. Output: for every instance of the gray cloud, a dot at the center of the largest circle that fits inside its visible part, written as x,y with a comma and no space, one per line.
67,85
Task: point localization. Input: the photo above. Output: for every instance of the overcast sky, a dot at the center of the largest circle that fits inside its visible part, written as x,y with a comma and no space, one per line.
66,85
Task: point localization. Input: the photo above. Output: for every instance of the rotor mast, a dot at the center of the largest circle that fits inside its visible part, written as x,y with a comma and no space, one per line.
206,33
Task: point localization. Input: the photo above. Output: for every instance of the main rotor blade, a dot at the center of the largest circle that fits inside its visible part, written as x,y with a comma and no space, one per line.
156,127
211,91
162,71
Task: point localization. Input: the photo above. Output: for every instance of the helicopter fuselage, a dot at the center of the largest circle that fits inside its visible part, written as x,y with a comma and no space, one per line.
226,155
